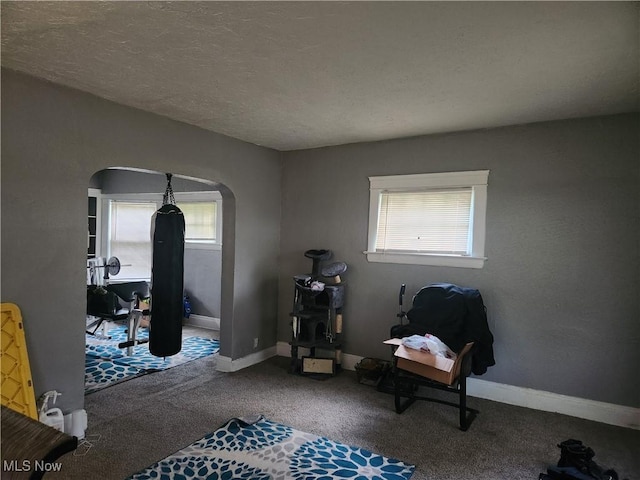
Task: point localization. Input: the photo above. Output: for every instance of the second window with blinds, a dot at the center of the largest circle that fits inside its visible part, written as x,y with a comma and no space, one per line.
428,219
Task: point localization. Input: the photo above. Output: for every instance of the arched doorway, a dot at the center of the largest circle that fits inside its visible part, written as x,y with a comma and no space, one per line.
121,201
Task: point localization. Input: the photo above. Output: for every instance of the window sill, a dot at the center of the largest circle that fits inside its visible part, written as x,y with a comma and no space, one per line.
115,280
426,259
194,245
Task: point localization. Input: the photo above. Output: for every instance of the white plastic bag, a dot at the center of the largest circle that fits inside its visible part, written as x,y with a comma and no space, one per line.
429,343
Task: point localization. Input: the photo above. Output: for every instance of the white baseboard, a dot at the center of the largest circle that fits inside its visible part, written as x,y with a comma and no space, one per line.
202,321
608,413
226,364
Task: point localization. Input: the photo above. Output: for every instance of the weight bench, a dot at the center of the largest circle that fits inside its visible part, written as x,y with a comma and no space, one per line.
120,303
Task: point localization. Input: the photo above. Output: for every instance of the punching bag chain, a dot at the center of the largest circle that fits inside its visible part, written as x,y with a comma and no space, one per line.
168,197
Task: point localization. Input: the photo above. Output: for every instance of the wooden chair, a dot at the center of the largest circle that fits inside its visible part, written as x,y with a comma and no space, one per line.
409,376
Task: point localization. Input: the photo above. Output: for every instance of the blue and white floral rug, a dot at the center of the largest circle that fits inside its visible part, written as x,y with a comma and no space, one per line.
259,449
106,364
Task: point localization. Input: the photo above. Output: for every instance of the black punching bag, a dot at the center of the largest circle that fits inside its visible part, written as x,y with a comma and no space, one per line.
167,278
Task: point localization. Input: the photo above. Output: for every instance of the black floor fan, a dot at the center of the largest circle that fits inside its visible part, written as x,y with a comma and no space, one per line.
167,277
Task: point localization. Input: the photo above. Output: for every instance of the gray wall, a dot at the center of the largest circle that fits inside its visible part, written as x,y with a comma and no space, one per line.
53,140
561,283
562,280
202,280
113,181
202,268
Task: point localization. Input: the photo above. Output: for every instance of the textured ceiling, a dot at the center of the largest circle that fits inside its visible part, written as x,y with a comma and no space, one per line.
292,75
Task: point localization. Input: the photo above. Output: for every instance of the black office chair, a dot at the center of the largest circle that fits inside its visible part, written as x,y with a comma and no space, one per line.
120,303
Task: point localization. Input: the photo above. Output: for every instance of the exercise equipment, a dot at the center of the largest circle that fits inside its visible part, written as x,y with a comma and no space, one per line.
120,303
111,268
167,277
115,302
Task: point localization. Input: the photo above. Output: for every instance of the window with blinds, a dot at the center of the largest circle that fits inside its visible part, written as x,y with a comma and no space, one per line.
129,237
436,221
428,219
199,221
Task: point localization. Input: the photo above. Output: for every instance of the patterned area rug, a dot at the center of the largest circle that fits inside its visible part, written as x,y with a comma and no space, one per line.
106,364
259,449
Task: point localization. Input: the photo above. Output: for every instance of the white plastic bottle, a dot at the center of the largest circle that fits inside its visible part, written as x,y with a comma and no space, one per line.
51,416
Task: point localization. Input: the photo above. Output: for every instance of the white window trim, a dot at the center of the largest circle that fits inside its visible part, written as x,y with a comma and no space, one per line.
477,180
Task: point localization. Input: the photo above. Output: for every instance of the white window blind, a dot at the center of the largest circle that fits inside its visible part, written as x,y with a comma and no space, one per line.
434,221
130,237
200,220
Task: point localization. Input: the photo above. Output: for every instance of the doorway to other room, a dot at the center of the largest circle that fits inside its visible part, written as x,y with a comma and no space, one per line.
121,203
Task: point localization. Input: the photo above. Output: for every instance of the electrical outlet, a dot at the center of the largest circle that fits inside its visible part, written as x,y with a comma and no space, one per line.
255,342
